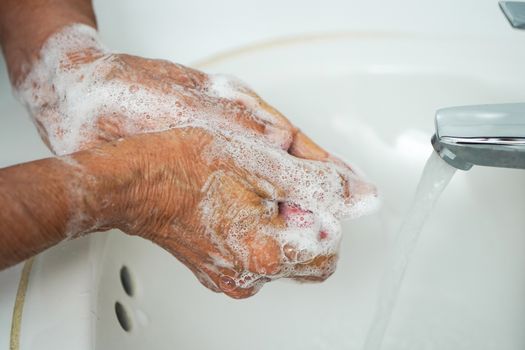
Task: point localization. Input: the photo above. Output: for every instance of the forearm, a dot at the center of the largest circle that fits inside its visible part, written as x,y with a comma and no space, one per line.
26,24
46,201
37,208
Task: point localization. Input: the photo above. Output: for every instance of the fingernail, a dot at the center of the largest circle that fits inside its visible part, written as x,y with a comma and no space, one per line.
303,147
290,252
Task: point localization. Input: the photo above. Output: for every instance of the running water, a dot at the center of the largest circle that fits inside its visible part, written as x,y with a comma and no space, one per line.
436,176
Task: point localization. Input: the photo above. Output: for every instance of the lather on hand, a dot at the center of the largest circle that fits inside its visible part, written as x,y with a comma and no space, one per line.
196,163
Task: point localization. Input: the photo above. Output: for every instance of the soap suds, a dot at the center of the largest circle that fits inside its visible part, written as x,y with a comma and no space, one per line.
72,90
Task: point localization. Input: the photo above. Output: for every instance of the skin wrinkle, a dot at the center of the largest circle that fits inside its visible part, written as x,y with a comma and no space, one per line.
120,73
41,224
212,184
197,163
27,212
78,218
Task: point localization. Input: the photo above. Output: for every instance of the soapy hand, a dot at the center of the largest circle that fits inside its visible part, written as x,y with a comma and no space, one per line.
235,222
214,174
79,94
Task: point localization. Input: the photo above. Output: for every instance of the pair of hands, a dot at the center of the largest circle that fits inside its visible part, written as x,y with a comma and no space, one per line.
203,167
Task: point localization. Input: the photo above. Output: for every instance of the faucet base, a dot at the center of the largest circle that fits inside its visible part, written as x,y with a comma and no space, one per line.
455,153
447,153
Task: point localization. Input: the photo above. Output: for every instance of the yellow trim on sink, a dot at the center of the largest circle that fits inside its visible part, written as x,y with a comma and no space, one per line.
287,41
16,321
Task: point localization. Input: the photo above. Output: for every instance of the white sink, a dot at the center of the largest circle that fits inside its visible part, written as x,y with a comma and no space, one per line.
371,99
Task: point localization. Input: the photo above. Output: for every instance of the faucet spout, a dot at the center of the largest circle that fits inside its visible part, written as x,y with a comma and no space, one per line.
488,135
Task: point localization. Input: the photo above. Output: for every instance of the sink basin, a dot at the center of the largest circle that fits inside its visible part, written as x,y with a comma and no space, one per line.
369,98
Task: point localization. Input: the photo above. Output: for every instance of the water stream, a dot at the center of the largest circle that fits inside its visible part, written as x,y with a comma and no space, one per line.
436,176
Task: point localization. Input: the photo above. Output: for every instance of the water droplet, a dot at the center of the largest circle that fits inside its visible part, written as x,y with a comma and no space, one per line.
226,283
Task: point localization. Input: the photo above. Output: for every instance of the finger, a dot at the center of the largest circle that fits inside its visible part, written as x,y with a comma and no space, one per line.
188,254
354,188
159,74
278,118
307,235
228,202
318,187
185,76
272,128
255,113
356,195
311,184
81,57
109,127
264,254
360,196
233,89
262,248
251,234
216,278
317,270
303,147
308,252
242,220
278,127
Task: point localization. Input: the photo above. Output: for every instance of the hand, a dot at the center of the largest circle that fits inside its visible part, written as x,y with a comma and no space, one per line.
86,95
221,179
235,221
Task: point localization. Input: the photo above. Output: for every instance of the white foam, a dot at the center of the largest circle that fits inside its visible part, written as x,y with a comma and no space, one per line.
69,100
315,187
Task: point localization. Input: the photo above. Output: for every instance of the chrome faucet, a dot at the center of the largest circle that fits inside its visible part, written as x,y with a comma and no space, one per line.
488,135
515,13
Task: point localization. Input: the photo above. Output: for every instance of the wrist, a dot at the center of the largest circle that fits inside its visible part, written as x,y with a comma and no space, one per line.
59,81
140,184
103,189
25,25
114,177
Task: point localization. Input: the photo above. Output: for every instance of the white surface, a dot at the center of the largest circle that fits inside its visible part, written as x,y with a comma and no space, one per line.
482,266
59,309
189,30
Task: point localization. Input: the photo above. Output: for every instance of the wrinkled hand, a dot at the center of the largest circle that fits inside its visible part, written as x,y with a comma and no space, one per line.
234,226
110,96
215,175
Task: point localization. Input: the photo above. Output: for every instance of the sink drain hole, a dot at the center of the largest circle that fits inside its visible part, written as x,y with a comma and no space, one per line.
127,281
123,317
